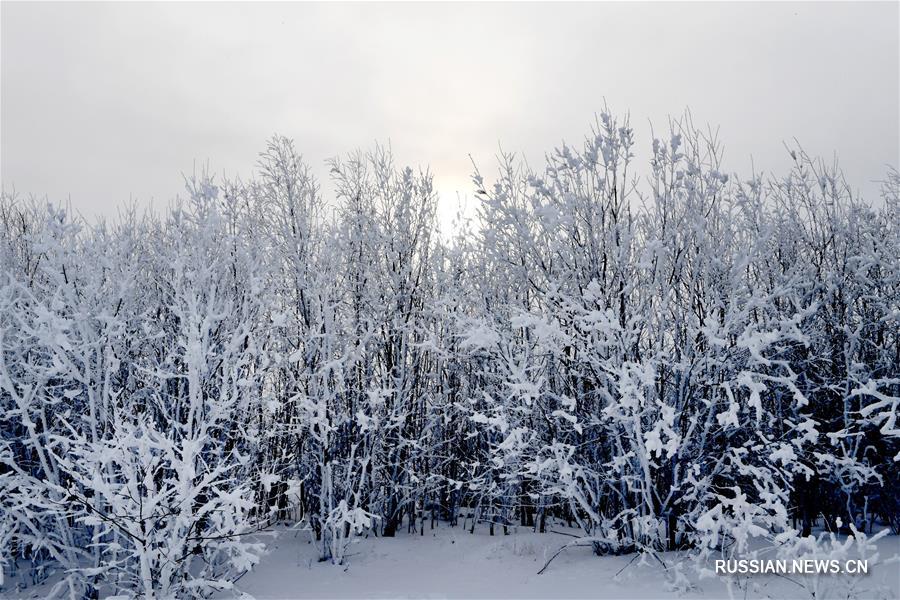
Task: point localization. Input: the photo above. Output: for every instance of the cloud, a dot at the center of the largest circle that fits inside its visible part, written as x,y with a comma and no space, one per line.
107,101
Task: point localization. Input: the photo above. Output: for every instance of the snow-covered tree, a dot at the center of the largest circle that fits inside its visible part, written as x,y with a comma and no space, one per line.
666,356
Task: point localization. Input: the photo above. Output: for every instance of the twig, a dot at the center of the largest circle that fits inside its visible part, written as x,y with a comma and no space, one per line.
558,552
564,533
628,565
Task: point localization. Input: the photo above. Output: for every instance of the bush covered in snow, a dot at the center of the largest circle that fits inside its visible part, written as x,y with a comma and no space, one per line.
684,359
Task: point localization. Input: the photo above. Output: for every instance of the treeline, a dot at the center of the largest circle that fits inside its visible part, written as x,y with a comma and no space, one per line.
676,358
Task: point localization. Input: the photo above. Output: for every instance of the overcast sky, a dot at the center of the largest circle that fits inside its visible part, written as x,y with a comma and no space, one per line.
106,102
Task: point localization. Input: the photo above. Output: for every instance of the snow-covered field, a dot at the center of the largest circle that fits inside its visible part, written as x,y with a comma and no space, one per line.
448,562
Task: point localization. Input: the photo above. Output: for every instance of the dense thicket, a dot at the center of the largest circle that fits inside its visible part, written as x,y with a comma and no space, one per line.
674,359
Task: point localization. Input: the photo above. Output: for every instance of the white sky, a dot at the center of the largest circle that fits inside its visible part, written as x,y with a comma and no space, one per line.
106,102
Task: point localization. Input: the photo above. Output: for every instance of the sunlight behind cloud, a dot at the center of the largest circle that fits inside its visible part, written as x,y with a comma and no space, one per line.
211,81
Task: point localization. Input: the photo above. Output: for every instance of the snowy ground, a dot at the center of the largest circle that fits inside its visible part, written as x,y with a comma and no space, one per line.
448,562
451,563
